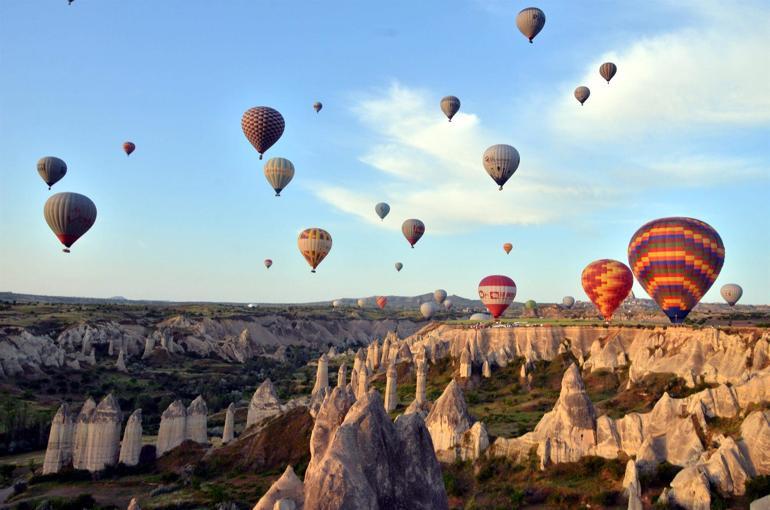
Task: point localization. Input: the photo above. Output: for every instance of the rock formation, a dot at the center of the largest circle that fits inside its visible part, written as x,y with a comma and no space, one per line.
363,382
196,425
288,488
131,446
80,438
465,364
486,370
422,378
91,360
149,345
103,442
391,397
322,375
229,430
173,428
134,505
58,453
264,403
385,354
447,422
120,364
341,376
632,487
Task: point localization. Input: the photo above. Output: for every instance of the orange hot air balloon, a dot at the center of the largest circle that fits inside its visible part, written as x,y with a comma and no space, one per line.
381,301
507,247
607,283
128,148
314,244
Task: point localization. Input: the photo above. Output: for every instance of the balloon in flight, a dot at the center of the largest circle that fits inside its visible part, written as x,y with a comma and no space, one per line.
382,209
399,266
530,305
428,309
450,105
69,215
128,148
677,261
507,247
381,301
413,229
337,303
361,302
447,304
317,106
439,295
263,126
480,317
279,172
731,293
568,301
607,283
608,70
51,169
268,263
582,93
497,292
314,244
530,22
500,162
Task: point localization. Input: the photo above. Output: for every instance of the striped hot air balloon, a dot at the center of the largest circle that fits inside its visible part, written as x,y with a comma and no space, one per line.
314,244
608,70
507,247
607,283
128,148
500,161
497,292
731,293
381,301
51,169
530,22
450,105
677,261
279,172
582,93
263,126
413,229
69,215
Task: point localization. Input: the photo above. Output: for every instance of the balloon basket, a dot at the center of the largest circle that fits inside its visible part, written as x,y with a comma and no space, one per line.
66,250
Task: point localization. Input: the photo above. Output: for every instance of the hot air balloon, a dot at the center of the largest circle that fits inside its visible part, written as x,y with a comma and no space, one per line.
268,263
568,301
608,70
128,148
450,105
69,215
51,169
399,265
317,106
314,244
439,295
361,303
413,230
263,126
337,303
731,293
497,293
500,162
480,317
507,247
530,305
382,209
530,22
582,93
447,304
279,173
428,309
676,260
381,301
607,282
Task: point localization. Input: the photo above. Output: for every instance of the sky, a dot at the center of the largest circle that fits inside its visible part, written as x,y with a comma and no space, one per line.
682,130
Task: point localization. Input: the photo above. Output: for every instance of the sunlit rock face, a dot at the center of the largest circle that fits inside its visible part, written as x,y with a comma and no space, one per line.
196,425
228,433
131,446
173,428
58,453
103,443
264,403
447,421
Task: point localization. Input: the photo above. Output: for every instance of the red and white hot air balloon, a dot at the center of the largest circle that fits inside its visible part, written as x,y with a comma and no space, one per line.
497,293
381,301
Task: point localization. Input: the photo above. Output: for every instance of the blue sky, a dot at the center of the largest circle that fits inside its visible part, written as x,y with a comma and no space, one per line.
682,130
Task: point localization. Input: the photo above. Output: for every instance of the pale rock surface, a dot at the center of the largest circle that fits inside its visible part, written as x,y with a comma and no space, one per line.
632,487
404,354
474,442
341,376
332,353
196,425
287,488
465,364
755,431
103,442
760,504
173,428
80,438
264,403
134,505
421,382
120,364
391,396
285,504
679,445
228,433
322,375
486,370
727,468
447,422
385,354
131,446
363,382
690,489
91,360
58,453
149,345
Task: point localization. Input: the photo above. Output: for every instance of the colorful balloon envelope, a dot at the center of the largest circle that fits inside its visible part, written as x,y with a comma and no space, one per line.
428,310
676,260
608,70
413,230
731,293
607,283
263,126
447,304
314,244
568,301
361,303
268,263
497,292
507,247
582,93
51,169
439,295
530,22
128,148
399,266
317,106
382,209
279,172
70,215
381,301
450,105
500,161
337,303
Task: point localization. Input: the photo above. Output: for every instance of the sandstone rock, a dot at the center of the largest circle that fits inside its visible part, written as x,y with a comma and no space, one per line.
422,377
486,370
92,358
322,375
371,357
632,487
196,425
149,345
287,487
465,364
391,396
385,354
264,403
515,448
341,375
754,390
332,353
447,422
134,505
363,382
58,453
690,489
330,416
755,431
173,428
80,439
680,445
103,443
120,364
404,354
228,432
727,468
474,442
760,504
131,446
607,438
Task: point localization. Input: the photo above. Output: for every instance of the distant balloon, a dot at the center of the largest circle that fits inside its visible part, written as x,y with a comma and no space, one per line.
268,263
51,169
69,215
608,70
582,93
428,309
314,244
607,283
263,126
361,302
381,301
500,162
128,148
450,105
480,317
447,304
497,292
317,106
530,305
279,172
568,301
337,303
731,293
530,22
507,247
382,209
413,230
677,261
399,266
439,295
